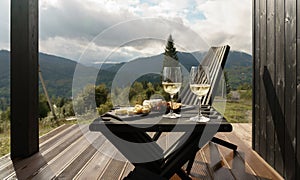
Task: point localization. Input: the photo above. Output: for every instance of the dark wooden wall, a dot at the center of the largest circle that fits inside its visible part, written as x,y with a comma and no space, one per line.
276,98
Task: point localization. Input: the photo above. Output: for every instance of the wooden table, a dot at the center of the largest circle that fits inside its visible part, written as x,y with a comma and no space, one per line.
120,130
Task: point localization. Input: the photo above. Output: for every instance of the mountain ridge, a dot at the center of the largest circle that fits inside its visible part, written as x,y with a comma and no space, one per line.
58,71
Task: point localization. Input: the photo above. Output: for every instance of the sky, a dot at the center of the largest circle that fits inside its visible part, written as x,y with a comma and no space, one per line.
95,31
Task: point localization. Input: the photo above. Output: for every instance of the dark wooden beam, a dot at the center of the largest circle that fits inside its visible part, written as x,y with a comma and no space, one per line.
256,66
24,78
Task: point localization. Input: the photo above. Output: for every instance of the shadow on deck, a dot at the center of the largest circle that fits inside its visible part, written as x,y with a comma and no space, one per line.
66,154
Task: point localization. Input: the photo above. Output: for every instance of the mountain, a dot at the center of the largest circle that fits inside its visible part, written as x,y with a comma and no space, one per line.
132,69
238,59
238,65
58,72
4,79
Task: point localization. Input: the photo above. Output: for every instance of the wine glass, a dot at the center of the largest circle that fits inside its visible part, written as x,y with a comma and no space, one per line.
171,82
200,85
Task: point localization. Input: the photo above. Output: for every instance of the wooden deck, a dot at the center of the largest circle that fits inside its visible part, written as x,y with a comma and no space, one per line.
66,154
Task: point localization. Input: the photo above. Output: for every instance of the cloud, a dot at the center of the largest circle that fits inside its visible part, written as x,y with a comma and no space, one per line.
227,22
4,24
136,28
71,48
141,37
74,18
125,36
63,27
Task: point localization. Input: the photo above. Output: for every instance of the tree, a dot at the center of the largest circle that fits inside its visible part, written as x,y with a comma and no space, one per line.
137,93
101,93
43,106
170,54
149,90
67,109
90,96
85,100
103,108
245,86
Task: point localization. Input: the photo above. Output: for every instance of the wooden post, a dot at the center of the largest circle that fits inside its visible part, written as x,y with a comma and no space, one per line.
24,78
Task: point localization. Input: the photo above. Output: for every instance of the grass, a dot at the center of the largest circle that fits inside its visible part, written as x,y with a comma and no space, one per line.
4,138
4,143
237,111
46,125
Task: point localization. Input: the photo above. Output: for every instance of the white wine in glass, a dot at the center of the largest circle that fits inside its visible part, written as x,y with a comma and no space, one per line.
200,85
171,88
200,89
171,82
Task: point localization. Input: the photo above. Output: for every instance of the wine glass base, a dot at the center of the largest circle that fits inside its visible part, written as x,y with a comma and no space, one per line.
199,118
172,115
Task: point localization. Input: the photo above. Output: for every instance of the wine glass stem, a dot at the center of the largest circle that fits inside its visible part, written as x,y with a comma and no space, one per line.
199,112
171,107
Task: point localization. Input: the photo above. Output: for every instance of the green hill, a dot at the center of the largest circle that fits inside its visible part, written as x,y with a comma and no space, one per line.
58,72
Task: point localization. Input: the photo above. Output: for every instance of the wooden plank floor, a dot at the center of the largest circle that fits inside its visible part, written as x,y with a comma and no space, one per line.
65,153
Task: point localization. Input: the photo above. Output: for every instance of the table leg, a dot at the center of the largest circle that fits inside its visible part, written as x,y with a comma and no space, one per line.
156,136
190,163
183,175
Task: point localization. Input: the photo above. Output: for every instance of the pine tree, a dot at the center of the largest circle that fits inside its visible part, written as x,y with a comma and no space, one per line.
170,54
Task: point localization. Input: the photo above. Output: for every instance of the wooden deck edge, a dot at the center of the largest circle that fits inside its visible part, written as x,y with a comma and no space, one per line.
62,141
6,162
268,166
272,170
22,166
6,157
58,129
56,135
54,160
245,148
